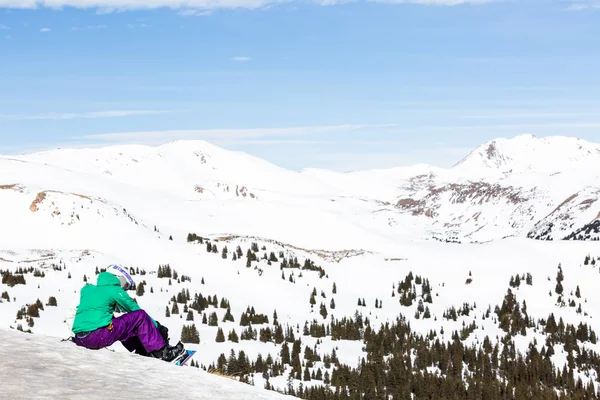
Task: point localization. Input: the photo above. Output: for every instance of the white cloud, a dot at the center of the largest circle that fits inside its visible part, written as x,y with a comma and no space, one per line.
579,5
4,28
97,27
109,6
195,13
156,137
88,115
423,2
45,30
240,58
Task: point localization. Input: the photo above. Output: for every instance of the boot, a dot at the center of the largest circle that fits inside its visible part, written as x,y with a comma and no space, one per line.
169,353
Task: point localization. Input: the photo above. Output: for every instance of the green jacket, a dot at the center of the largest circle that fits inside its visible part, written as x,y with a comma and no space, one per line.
97,303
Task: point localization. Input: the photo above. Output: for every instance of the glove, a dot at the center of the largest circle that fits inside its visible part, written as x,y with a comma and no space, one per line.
164,331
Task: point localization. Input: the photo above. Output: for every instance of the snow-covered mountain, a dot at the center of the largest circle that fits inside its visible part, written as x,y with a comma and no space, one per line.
530,154
523,187
318,260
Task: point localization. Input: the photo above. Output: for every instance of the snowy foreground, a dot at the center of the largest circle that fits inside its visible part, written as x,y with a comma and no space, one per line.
46,368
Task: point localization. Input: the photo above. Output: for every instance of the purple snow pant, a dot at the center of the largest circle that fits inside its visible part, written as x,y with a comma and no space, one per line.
131,329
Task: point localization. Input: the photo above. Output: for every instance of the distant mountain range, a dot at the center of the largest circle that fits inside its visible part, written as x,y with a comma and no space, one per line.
541,188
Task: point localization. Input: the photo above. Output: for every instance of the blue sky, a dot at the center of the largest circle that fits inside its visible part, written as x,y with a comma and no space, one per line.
340,85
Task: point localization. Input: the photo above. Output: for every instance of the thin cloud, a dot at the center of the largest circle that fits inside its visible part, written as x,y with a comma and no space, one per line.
579,5
156,137
272,142
88,115
4,28
444,157
110,6
545,115
241,58
45,30
194,13
422,2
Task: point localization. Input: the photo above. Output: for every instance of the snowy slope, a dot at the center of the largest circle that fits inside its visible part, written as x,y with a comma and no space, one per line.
506,187
67,213
45,368
476,275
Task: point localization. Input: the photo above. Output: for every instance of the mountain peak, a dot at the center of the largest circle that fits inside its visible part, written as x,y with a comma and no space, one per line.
528,153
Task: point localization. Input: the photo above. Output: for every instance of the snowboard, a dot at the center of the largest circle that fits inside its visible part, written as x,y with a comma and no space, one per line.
184,358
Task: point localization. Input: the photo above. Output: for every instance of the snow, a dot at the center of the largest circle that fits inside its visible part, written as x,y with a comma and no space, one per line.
121,204
527,153
44,368
478,200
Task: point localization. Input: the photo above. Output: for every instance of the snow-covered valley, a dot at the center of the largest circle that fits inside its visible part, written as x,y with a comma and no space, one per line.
332,256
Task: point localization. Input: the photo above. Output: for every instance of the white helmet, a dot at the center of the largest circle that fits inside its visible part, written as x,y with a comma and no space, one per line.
127,282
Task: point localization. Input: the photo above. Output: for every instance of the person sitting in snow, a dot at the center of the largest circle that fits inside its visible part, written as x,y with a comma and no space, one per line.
95,326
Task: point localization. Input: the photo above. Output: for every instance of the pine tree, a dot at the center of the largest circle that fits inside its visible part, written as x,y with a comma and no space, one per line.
427,313
559,288
233,337
220,336
228,316
189,334
140,289
306,376
213,320
323,311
